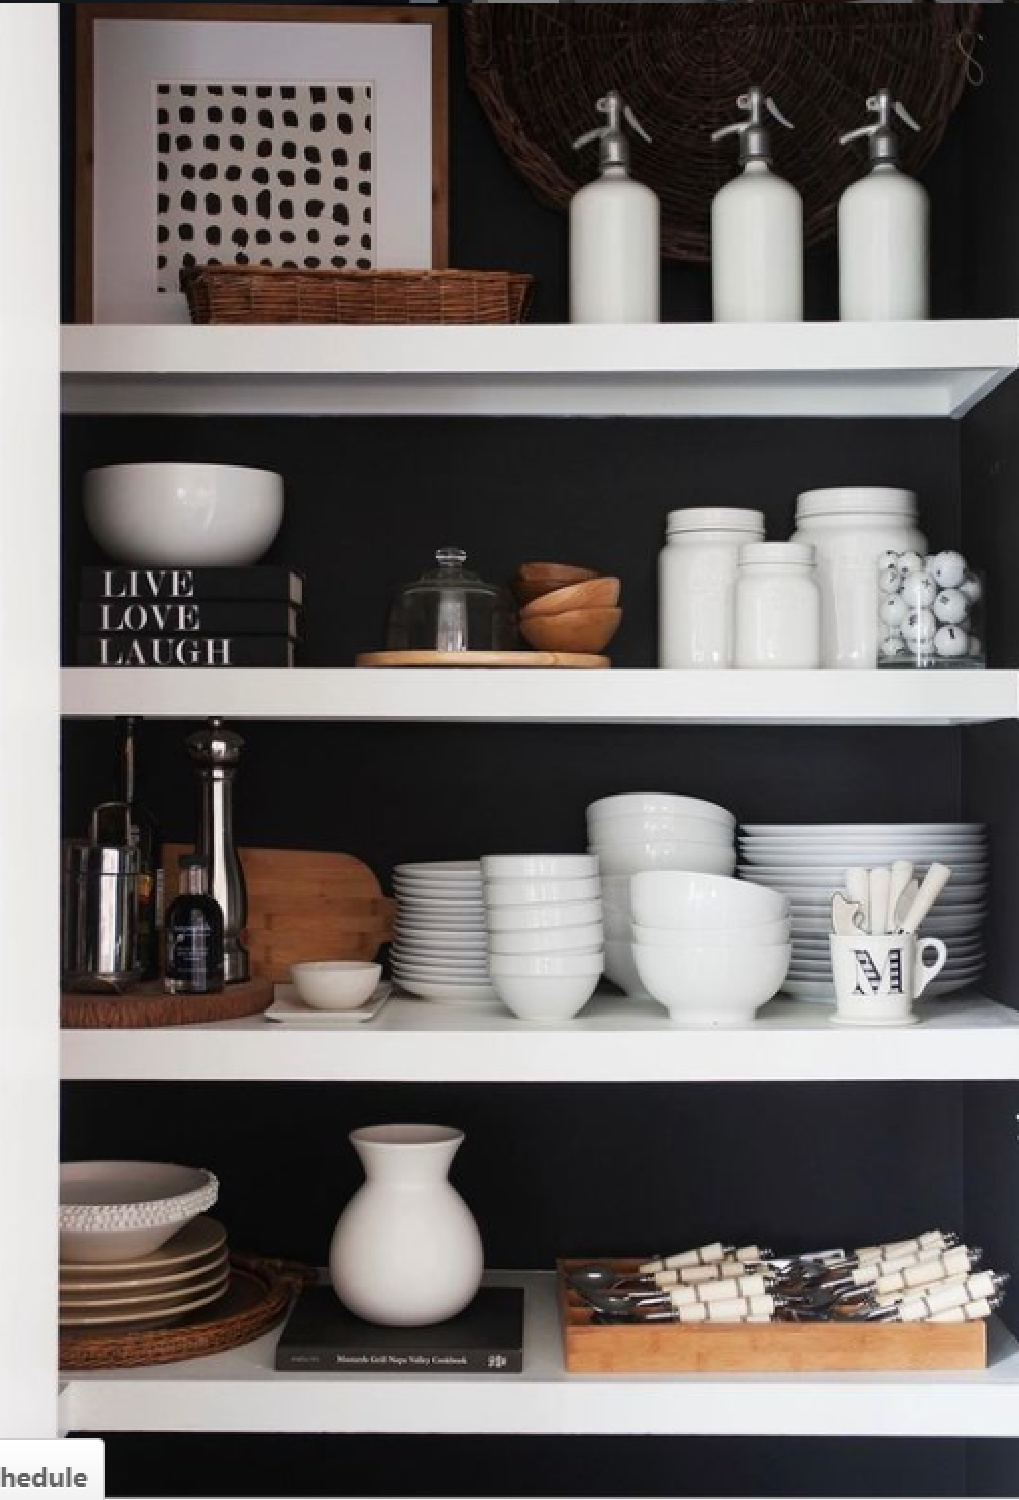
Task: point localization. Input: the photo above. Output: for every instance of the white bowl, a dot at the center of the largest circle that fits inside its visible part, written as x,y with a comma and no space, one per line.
546,965
621,969
690,901
118,1210
181,515
712,986
539,866
767,934
550,940
335,984
546,916
545,1001
540,892
654,804
630,859
605,833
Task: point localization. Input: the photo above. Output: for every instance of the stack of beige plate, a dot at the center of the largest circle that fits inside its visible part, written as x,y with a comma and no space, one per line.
189,1271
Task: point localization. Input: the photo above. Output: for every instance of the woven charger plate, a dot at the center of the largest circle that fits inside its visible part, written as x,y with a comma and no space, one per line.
260,1294
538,69
149,1005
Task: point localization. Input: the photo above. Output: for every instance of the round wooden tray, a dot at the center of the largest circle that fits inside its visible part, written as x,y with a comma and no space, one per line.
259,1295
479,659
149,1005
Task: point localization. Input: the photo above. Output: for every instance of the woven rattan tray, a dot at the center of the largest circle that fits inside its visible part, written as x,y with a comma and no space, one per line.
264,294
148,1005
258,1298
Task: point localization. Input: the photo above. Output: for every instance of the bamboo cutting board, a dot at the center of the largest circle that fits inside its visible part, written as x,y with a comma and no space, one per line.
305,905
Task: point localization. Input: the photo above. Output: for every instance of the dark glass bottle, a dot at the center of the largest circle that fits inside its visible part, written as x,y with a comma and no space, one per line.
146,838
194,933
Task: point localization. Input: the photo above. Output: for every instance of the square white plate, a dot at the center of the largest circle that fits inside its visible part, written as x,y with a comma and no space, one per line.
287,1010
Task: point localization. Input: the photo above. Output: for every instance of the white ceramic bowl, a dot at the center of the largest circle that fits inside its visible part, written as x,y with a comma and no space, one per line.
655,804
621,969
181,515
539,866
712,986
118,1210
540,892
690,901
335,984
765,935
545,1001
546,916
546,965
549,940
605,833
630,859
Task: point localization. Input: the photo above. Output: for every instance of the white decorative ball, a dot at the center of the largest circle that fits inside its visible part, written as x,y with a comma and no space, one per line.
951,607
920,629
889,580
951,641
949,568
889,559
919,590
972,588
892,645
976,646
910,562
892,612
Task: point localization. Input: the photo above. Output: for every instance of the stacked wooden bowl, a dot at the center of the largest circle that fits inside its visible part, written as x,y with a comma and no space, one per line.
566,608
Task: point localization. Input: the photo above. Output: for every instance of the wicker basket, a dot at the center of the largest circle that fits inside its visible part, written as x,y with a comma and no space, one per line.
261,294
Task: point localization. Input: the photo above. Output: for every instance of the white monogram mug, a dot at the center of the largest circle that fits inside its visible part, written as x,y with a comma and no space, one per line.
878,978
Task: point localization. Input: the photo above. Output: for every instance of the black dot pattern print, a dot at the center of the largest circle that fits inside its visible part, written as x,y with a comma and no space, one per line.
264,197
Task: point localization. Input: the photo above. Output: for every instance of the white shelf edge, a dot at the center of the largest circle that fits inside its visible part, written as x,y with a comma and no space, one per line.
620,696
614,1041
240,1392
930,369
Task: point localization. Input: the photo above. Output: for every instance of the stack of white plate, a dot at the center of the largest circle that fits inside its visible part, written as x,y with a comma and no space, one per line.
807,862
191,1270
439,948
639,831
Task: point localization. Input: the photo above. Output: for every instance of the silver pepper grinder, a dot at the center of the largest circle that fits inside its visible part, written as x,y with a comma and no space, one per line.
216,752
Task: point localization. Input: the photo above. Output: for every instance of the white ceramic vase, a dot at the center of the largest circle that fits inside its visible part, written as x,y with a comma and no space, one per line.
406,1250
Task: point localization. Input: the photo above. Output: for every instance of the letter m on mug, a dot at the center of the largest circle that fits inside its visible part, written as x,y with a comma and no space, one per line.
873,978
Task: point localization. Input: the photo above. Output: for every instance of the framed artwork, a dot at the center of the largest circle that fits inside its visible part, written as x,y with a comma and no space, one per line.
306,135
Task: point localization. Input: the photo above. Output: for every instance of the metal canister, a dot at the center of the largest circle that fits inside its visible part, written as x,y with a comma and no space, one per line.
99,927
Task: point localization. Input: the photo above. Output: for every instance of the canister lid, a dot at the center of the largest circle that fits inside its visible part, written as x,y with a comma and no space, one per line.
715,518
784,554
851,500
101,859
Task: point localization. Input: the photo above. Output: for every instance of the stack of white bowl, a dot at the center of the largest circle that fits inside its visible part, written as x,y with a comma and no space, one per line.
710,949
545,933
439,950
808,861
651,831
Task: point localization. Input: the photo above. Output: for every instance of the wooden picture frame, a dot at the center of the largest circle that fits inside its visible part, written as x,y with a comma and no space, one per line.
87,170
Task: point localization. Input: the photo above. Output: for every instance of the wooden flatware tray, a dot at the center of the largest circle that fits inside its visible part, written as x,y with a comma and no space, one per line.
674,1348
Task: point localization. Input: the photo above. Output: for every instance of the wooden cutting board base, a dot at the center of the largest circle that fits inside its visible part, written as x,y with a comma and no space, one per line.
480,659
149,1005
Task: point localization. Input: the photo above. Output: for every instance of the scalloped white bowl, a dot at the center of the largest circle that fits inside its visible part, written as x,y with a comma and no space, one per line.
116,1210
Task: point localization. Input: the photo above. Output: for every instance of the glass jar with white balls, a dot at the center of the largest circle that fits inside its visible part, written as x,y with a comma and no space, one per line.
930,611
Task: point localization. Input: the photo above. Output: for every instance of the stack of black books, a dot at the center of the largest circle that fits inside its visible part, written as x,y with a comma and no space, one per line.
189,617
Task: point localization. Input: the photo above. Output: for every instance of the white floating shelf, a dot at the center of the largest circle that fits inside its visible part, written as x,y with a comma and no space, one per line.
935,369
240,1392
614,1041
639,696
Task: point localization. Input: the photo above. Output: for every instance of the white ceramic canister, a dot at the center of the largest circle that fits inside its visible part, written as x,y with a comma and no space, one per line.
778,607
697,582
406,1250
849,527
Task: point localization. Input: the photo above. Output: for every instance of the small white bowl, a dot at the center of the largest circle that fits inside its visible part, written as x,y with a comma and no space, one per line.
540,892
606,833
546,965
549,940
765,935
657,804
692,901
544,917
118,1210
335,984
631,859
183,515
539,866
545,1002
712,986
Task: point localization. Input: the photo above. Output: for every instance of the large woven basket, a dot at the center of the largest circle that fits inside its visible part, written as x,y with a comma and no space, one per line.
260,294
538,69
